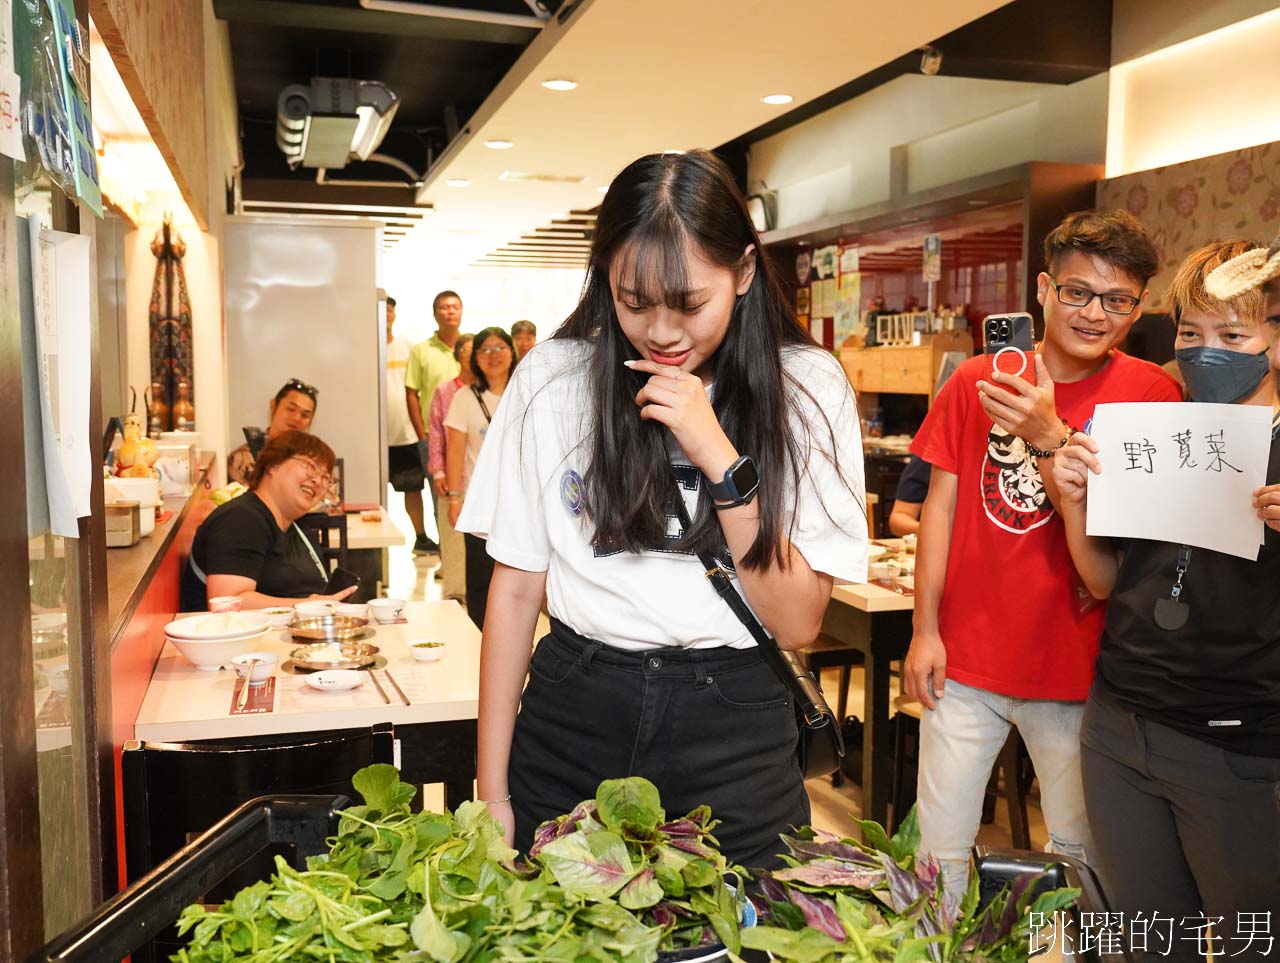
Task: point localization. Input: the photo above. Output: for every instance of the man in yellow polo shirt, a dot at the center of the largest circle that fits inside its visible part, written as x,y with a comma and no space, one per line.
431,362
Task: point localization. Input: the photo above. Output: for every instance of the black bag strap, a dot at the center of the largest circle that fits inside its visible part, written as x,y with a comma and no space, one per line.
810,702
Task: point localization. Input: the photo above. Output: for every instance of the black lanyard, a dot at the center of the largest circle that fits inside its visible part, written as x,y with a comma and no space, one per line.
475,390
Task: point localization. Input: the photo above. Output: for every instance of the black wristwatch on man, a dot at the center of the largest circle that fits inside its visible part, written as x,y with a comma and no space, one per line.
739,485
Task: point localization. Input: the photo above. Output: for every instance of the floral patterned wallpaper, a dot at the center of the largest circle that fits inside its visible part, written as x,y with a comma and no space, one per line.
1187,205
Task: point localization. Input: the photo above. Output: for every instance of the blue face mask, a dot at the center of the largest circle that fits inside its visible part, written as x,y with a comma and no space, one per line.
1218,376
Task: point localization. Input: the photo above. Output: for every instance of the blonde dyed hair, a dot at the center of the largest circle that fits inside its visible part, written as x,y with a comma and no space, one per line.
1187,292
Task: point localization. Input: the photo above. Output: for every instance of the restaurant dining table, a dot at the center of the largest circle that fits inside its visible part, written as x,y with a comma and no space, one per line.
367,544
432,705
873,621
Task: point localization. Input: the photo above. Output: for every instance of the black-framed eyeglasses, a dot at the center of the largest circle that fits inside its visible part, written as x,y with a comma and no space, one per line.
1078,297
297,384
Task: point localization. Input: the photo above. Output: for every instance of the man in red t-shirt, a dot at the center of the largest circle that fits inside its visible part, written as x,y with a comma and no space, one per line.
1000,614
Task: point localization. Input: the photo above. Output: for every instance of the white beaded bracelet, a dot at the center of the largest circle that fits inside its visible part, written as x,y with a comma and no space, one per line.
494,802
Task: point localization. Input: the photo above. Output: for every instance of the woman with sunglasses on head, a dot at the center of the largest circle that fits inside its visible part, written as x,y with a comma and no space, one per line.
292,409
251,546
493,358
681,384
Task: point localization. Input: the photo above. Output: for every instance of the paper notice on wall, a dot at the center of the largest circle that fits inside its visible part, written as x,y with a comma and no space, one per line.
60,266
1182,473
848,313
10,125
10,89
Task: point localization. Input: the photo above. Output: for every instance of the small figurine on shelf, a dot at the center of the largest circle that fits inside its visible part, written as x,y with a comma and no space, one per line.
184,412
157,411
137,454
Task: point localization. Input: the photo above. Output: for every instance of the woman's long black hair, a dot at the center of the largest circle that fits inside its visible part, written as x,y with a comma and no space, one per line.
659,211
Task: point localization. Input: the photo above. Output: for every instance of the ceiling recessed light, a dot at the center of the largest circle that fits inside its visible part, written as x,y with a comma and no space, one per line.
559,84
458,182
498,144
777,99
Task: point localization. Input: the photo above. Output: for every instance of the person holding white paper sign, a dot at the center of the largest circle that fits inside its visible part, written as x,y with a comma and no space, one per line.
1181,733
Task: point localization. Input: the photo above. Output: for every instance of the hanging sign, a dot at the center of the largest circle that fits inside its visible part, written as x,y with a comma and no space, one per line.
933,257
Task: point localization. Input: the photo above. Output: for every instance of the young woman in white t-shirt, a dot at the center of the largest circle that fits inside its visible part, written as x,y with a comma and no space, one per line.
681,370
493,358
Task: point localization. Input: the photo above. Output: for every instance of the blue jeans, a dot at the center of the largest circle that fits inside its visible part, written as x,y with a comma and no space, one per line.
959,742
712,726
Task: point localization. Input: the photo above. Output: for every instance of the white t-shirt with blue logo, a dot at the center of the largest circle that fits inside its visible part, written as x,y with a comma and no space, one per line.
525,497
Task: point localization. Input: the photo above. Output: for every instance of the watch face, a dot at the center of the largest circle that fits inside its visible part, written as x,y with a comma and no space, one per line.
745,477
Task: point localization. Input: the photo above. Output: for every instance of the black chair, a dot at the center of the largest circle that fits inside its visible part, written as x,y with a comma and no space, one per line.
175,791
328,533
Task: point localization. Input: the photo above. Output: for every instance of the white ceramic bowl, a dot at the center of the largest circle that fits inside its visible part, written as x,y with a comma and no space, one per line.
213,654
387,610
426,650
315,608
882,570
263,665
213,626
280,617
353,610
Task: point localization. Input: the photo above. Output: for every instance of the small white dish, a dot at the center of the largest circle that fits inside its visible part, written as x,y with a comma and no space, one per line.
354,610
875,551
335,680
280,617
426,650
261,664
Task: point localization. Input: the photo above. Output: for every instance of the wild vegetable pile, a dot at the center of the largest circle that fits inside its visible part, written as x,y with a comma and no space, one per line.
612,880
842,901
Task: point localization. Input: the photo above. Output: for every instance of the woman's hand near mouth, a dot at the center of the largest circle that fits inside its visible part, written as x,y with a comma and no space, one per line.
678,400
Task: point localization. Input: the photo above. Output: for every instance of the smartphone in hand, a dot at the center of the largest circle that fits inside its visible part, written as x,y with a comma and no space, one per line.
1009,345
341,579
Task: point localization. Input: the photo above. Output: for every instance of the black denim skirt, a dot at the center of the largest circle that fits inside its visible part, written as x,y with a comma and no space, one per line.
713,726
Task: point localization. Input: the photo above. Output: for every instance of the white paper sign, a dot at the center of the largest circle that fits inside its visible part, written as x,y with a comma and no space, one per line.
1182,473
60,266
10,125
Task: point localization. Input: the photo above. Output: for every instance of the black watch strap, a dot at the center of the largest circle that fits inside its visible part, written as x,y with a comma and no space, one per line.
739,484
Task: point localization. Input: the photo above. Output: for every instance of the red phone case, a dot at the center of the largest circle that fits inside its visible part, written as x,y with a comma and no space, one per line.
1010,360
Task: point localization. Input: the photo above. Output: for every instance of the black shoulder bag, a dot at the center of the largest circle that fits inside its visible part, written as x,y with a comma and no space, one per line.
821,746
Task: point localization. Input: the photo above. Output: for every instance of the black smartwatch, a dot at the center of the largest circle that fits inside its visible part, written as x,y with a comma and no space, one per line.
739,485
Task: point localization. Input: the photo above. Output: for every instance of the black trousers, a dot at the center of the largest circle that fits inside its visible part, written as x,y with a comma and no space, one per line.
712,726
1182,827
479,575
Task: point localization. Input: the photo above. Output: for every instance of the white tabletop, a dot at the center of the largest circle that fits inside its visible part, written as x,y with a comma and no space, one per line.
184,703
873,598
381,534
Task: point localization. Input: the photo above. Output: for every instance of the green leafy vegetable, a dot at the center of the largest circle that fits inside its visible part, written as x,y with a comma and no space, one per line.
846,901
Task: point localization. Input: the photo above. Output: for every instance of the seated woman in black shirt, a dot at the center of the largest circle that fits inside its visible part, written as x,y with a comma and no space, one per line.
250,546
1181,734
